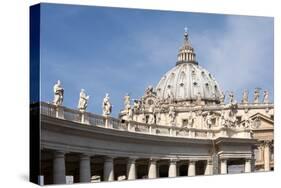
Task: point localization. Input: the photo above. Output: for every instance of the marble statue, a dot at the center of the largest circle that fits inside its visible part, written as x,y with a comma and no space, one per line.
127,102
106,106
83,101
222,98
58,94
248,122
130,114
209,120
149,90
151,119
256,95
198,98
266,97
231,97
190,121
172,115
136,105
245,97
223,122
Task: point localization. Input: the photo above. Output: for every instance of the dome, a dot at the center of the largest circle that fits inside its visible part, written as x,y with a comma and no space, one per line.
187,80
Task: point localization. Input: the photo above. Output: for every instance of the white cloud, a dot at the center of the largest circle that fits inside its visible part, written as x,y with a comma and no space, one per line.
242,56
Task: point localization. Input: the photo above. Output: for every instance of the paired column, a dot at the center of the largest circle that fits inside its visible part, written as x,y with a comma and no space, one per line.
108,169
266,156
173,168
191,168
248,165
59,168
131,169
223,166
209,168
152,168
85,168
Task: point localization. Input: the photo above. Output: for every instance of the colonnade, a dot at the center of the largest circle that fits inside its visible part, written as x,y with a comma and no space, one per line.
59,167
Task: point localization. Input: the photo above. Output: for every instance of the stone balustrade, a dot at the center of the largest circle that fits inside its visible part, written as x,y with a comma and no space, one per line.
137,127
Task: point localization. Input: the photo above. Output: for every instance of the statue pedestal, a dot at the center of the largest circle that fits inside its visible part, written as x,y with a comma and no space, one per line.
59,112
172,132
84,117
223,132
210,134
106,122
131,127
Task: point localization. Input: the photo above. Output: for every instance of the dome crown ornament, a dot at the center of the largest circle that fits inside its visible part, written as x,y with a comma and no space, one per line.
186,52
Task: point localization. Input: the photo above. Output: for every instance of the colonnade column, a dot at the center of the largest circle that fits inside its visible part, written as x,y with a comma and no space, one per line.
108,173
209,168
266,156
152,168
223,166
173,168
248,165
191,168
131,169
85,168
59,167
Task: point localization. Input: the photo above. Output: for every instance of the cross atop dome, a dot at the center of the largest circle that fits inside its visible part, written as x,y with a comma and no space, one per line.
186,33
186,52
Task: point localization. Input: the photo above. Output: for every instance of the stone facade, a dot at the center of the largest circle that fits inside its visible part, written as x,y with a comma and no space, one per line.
183,127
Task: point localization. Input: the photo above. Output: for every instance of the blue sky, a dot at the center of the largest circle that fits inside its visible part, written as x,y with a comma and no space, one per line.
119,51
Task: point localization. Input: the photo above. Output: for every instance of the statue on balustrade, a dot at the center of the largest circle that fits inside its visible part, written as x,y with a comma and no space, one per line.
208,120
190,120
256,95
172,115
223,122
248,122
149,90
232,118
266,97
245,97
222,98
83,101
231,97
136,105
127,102
58,94
151,119
106,105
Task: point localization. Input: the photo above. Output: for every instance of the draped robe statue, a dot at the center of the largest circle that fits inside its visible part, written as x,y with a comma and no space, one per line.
266,97
106,106
58,94
83,101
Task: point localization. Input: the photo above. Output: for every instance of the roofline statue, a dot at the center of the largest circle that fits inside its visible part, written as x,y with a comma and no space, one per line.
58,94
83,101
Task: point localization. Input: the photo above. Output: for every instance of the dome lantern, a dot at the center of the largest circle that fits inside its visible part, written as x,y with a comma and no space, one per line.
186,52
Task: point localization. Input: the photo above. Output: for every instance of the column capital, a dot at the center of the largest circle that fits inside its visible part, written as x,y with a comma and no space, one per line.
132,159
109,158
267,143
192,161
59,154
174,160
152,159
85,156
209,162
